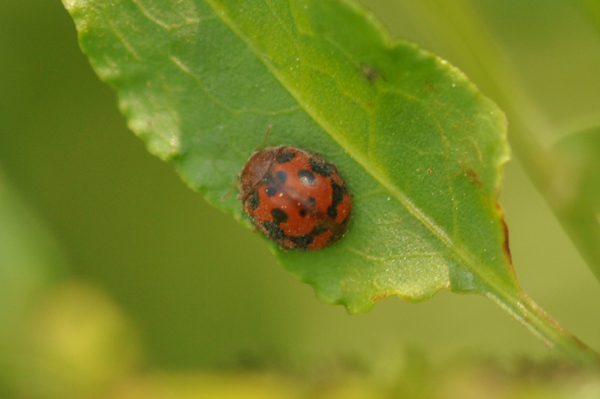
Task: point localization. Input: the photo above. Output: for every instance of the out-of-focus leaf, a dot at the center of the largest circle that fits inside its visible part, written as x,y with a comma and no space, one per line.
80,345
29,262
576,192
56,340
208,386
458,379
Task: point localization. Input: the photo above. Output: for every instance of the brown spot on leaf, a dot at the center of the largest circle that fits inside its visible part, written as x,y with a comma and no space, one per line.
429,87
370,73
430,171
472,176
380,297
505,244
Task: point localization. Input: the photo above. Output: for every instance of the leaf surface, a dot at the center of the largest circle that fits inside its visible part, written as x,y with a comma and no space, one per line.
419,146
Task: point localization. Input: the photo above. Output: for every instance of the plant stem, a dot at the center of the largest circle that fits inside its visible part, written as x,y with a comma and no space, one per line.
548,330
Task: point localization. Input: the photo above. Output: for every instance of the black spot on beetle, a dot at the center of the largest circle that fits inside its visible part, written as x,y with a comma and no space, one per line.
302,213
271,191
345,189
307,177
311,201
281,176
322,168
337,198
286,157
254,200
346,219
318,230
274,231
279,215
338,192
332,212
302,241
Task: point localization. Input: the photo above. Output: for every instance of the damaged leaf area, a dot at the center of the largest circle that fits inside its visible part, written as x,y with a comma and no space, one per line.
419,146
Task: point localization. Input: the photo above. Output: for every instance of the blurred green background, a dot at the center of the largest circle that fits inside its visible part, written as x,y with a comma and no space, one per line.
203,292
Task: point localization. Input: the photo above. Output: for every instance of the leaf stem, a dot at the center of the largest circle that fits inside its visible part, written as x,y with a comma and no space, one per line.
544,327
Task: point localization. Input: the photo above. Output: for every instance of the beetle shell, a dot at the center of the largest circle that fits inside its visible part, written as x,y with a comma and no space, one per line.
295,198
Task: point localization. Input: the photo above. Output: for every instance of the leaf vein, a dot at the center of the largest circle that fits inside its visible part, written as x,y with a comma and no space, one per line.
389,258
181,66
151,17
121,39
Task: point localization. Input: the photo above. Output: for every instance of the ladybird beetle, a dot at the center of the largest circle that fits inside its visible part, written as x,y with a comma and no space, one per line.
295,198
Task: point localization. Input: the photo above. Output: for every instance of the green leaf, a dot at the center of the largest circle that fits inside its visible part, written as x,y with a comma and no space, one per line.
419,146
29,260
576,192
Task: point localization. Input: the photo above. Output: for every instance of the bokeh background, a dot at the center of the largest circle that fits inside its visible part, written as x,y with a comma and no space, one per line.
182,286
